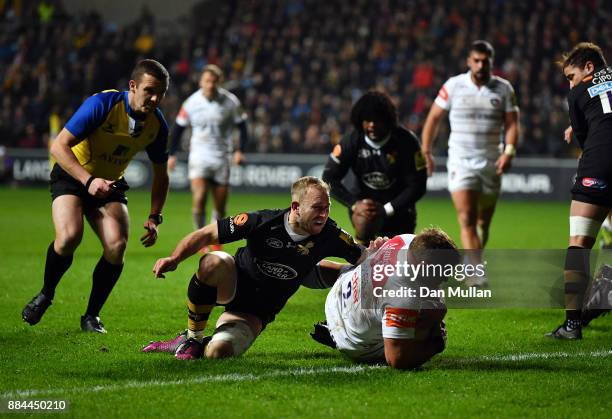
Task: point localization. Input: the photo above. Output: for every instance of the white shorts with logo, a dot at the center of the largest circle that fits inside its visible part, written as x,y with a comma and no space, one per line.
473,173
215,169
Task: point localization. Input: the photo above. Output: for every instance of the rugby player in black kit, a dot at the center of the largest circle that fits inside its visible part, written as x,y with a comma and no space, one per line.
590,109
282,249
389,168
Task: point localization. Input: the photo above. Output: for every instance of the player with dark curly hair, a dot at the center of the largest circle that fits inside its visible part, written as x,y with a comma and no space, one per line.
388,167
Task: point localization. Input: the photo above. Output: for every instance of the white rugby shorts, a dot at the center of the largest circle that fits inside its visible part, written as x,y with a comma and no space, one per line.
473,173
215,169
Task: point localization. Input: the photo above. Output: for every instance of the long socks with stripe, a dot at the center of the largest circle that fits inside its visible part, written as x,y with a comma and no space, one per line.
201,300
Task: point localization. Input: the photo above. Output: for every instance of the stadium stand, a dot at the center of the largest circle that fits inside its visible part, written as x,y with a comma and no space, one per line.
297,65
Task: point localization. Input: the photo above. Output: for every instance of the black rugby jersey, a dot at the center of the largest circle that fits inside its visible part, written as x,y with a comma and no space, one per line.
590,109
271,256
394,173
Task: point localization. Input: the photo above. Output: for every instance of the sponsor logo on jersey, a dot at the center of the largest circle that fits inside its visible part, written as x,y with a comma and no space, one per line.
276,270
600,88
419,161
402,318
108,127
495,102
121,150
377,180
593,183
355,286
304,249
274,243
240,219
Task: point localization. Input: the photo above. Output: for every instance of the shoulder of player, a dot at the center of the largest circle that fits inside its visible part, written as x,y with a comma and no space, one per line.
195,97
500,81
229,96
106,98
405,138
265,216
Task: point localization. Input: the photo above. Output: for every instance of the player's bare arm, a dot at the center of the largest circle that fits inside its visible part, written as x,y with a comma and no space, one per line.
238,157
61,150
567,134
408,353
430,130
159,192
187,247
511,127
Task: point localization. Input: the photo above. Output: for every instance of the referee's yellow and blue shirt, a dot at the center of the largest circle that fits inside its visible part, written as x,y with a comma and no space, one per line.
112,134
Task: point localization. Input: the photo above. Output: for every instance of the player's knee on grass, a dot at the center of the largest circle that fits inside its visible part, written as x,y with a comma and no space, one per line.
230,339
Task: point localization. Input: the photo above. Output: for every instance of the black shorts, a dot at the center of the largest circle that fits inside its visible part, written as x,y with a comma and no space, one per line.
399,223
61,183
264,299
593,190
593,183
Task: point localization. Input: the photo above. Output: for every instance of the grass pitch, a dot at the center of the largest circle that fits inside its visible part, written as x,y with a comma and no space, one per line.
497,363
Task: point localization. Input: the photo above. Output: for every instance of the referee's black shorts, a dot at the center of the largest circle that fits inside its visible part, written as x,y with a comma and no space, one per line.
61,183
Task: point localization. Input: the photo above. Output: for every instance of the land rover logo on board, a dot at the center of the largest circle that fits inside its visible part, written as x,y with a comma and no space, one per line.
275,243
276,270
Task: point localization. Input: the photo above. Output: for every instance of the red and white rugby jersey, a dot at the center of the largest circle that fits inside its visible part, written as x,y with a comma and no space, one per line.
359,320
476,114
212,122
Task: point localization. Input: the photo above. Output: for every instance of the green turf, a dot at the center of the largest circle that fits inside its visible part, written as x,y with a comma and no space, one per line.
285,373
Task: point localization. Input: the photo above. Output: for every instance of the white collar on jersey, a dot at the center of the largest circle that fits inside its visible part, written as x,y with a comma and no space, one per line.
376,144
294,236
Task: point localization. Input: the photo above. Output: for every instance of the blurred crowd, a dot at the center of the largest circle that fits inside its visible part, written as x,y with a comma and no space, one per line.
297,65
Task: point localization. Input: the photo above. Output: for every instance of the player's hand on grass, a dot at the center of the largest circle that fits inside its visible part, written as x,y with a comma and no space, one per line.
164,265
150,237
567,134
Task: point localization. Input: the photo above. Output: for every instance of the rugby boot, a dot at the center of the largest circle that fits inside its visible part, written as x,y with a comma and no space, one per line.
169,346
190,349
562,332
35,309
91,323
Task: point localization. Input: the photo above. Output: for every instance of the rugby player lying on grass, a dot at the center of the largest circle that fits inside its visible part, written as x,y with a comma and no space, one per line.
370,317
282,249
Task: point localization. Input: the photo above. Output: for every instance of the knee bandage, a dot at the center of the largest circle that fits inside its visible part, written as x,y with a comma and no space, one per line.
583,226
238,334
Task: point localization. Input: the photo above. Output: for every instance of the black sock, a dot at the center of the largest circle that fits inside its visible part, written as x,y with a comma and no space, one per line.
201,299
105,276
55,267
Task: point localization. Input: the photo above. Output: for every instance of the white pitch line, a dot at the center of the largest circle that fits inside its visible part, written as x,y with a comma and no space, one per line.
530,356
195,380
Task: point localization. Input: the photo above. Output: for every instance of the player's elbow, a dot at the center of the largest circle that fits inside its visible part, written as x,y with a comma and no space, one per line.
403,362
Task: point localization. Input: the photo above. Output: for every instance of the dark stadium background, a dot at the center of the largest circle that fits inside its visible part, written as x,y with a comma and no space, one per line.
297,65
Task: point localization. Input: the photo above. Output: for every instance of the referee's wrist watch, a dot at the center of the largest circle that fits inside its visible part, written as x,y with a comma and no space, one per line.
156,218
